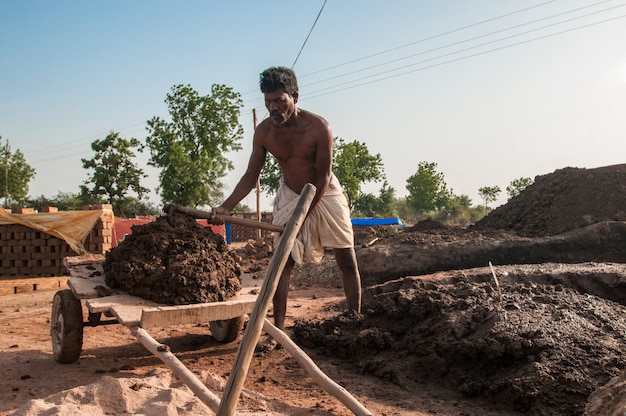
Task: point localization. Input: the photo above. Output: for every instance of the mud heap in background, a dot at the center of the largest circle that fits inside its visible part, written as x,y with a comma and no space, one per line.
564,200
173,260
531,338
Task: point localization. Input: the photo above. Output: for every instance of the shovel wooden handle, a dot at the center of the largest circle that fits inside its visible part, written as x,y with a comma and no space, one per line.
196,213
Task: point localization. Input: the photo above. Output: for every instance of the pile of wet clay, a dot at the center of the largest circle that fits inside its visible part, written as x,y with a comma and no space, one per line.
564,200
175,261
525,347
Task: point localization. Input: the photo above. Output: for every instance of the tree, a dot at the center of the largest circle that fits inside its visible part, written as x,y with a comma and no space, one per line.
383,205
353,165
427,188
16,176
270,175
136,207
114,173
489,193
463,201
65,201
191,148
518,185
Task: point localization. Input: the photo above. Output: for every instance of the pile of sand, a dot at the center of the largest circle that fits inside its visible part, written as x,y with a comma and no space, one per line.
158,393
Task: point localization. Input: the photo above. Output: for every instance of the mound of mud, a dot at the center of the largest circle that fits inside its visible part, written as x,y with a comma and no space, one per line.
527,346
173,260
564,200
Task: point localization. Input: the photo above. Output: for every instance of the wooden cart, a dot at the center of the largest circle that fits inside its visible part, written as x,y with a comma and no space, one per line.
87,283
106,306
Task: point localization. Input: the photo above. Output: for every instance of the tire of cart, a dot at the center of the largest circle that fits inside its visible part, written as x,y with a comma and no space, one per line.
227,330
66,327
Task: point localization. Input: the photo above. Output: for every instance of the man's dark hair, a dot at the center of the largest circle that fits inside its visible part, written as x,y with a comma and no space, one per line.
279,78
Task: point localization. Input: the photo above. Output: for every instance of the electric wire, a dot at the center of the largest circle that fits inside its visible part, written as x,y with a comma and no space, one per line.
479,46
449,32
307,36
479,37
469,56
337,88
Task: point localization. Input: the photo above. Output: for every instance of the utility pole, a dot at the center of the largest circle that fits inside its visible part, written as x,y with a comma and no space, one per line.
258,187
6,173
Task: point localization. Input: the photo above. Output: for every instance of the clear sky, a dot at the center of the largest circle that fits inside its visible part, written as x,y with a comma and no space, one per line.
490,90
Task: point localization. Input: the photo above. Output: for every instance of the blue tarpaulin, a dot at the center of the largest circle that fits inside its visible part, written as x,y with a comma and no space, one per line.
376,221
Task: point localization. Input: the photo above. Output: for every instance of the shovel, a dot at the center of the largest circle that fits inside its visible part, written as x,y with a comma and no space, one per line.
196,213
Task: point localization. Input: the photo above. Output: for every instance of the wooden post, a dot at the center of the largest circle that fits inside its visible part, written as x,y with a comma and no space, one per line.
258,188
164,354
314,371
257,318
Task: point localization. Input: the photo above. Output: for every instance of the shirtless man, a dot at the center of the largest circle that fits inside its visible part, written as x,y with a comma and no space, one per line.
302,144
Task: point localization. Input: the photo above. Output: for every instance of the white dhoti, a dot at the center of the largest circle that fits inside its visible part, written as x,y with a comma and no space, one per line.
327,225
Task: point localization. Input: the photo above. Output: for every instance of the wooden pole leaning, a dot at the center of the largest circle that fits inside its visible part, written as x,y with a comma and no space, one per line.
178,368
314,371
254,328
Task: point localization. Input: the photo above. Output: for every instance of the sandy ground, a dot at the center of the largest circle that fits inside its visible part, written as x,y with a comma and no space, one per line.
449,344
30,372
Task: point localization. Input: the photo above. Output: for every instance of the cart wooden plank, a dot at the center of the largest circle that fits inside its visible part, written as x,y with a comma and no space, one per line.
92,287
87,276
161,316
242,303
126,308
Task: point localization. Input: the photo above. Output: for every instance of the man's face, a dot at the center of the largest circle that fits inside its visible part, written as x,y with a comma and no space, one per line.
280,105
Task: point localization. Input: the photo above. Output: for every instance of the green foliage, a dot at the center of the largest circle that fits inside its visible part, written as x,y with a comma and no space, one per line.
407,213
427,189
270,175
489,194
383,205
133,207
65,201
518,185
353,165
242,208
462,200
114,173
15,176
191,148
459,212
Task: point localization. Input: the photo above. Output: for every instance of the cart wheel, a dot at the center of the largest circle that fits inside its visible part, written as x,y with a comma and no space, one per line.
227,330
66,327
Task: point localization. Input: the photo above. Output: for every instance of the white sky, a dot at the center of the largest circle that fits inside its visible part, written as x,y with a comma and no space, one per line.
490,90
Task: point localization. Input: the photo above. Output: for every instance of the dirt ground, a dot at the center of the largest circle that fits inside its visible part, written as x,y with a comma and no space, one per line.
513,339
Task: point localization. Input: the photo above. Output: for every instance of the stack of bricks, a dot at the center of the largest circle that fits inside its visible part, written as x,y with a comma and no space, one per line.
26,252
239,233
101,237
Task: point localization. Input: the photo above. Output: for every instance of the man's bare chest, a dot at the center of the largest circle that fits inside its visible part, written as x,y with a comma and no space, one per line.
292,146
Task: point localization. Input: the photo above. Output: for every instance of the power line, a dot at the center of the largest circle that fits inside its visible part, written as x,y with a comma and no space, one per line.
449,32
476,38
464,57
333,89
307,36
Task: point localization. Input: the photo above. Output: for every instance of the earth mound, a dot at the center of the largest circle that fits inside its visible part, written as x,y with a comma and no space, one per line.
531,338
564,200
173,260
524,346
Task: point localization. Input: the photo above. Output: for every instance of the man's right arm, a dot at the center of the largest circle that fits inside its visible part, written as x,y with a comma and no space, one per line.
248,181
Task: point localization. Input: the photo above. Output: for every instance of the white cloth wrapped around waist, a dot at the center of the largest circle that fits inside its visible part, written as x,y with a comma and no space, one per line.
327,225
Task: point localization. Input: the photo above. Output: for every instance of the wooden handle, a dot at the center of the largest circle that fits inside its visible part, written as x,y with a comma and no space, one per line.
196,213
257,317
